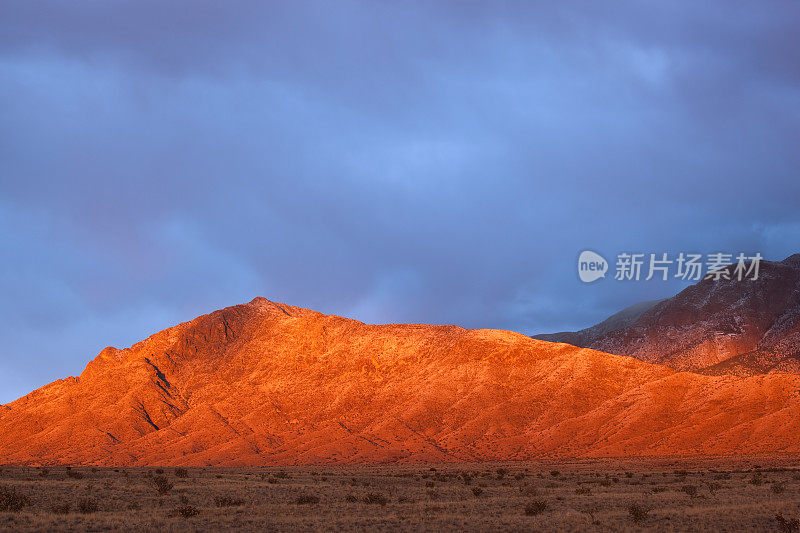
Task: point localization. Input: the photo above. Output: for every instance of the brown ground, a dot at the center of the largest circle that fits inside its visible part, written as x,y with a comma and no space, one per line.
680,494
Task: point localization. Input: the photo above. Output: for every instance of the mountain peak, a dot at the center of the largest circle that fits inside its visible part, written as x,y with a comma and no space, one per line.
266,383
716,326
792,260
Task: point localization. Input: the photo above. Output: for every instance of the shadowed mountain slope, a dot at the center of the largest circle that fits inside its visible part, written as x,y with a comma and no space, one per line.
619,320
718,327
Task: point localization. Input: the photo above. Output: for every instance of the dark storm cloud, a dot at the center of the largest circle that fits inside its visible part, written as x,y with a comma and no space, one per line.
424,162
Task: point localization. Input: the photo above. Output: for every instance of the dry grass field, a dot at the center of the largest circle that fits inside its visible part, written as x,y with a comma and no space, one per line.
604,495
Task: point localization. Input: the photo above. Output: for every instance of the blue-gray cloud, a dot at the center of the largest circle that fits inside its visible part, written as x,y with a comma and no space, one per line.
423,162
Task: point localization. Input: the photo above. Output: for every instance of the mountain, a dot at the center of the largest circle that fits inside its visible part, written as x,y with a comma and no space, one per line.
717,327
619,320
266,383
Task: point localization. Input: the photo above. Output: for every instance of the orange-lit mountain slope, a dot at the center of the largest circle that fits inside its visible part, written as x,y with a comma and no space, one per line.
265,383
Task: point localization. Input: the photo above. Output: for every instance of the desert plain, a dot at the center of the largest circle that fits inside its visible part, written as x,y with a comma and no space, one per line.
721,494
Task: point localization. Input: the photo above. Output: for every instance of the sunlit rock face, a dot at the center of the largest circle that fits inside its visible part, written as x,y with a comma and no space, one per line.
266,383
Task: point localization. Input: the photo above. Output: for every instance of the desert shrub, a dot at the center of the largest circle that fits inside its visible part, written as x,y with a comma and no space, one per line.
74,474
656,490
350,498
467,477
376,498
535,507
12,499
228,501
778,488
477,491
43,472
501,473
713,487
187,511
722,475
162,484
605,482
181,473
88,505
272,480
628,475
583,490
787,525
757,479
638,512
283,474
306,499
690,490
520,476
60,508
430,484
159,471
555,473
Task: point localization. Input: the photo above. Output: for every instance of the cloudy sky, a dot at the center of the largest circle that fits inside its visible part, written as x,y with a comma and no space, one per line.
387,161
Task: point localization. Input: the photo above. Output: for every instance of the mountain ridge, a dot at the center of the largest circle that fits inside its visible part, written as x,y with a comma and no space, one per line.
618,320
266,383
718,327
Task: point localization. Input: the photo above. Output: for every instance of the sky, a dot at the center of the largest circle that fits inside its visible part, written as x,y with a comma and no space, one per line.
426,162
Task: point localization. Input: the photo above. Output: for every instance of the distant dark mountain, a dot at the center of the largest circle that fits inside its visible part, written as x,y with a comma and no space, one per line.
584,337
716,327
